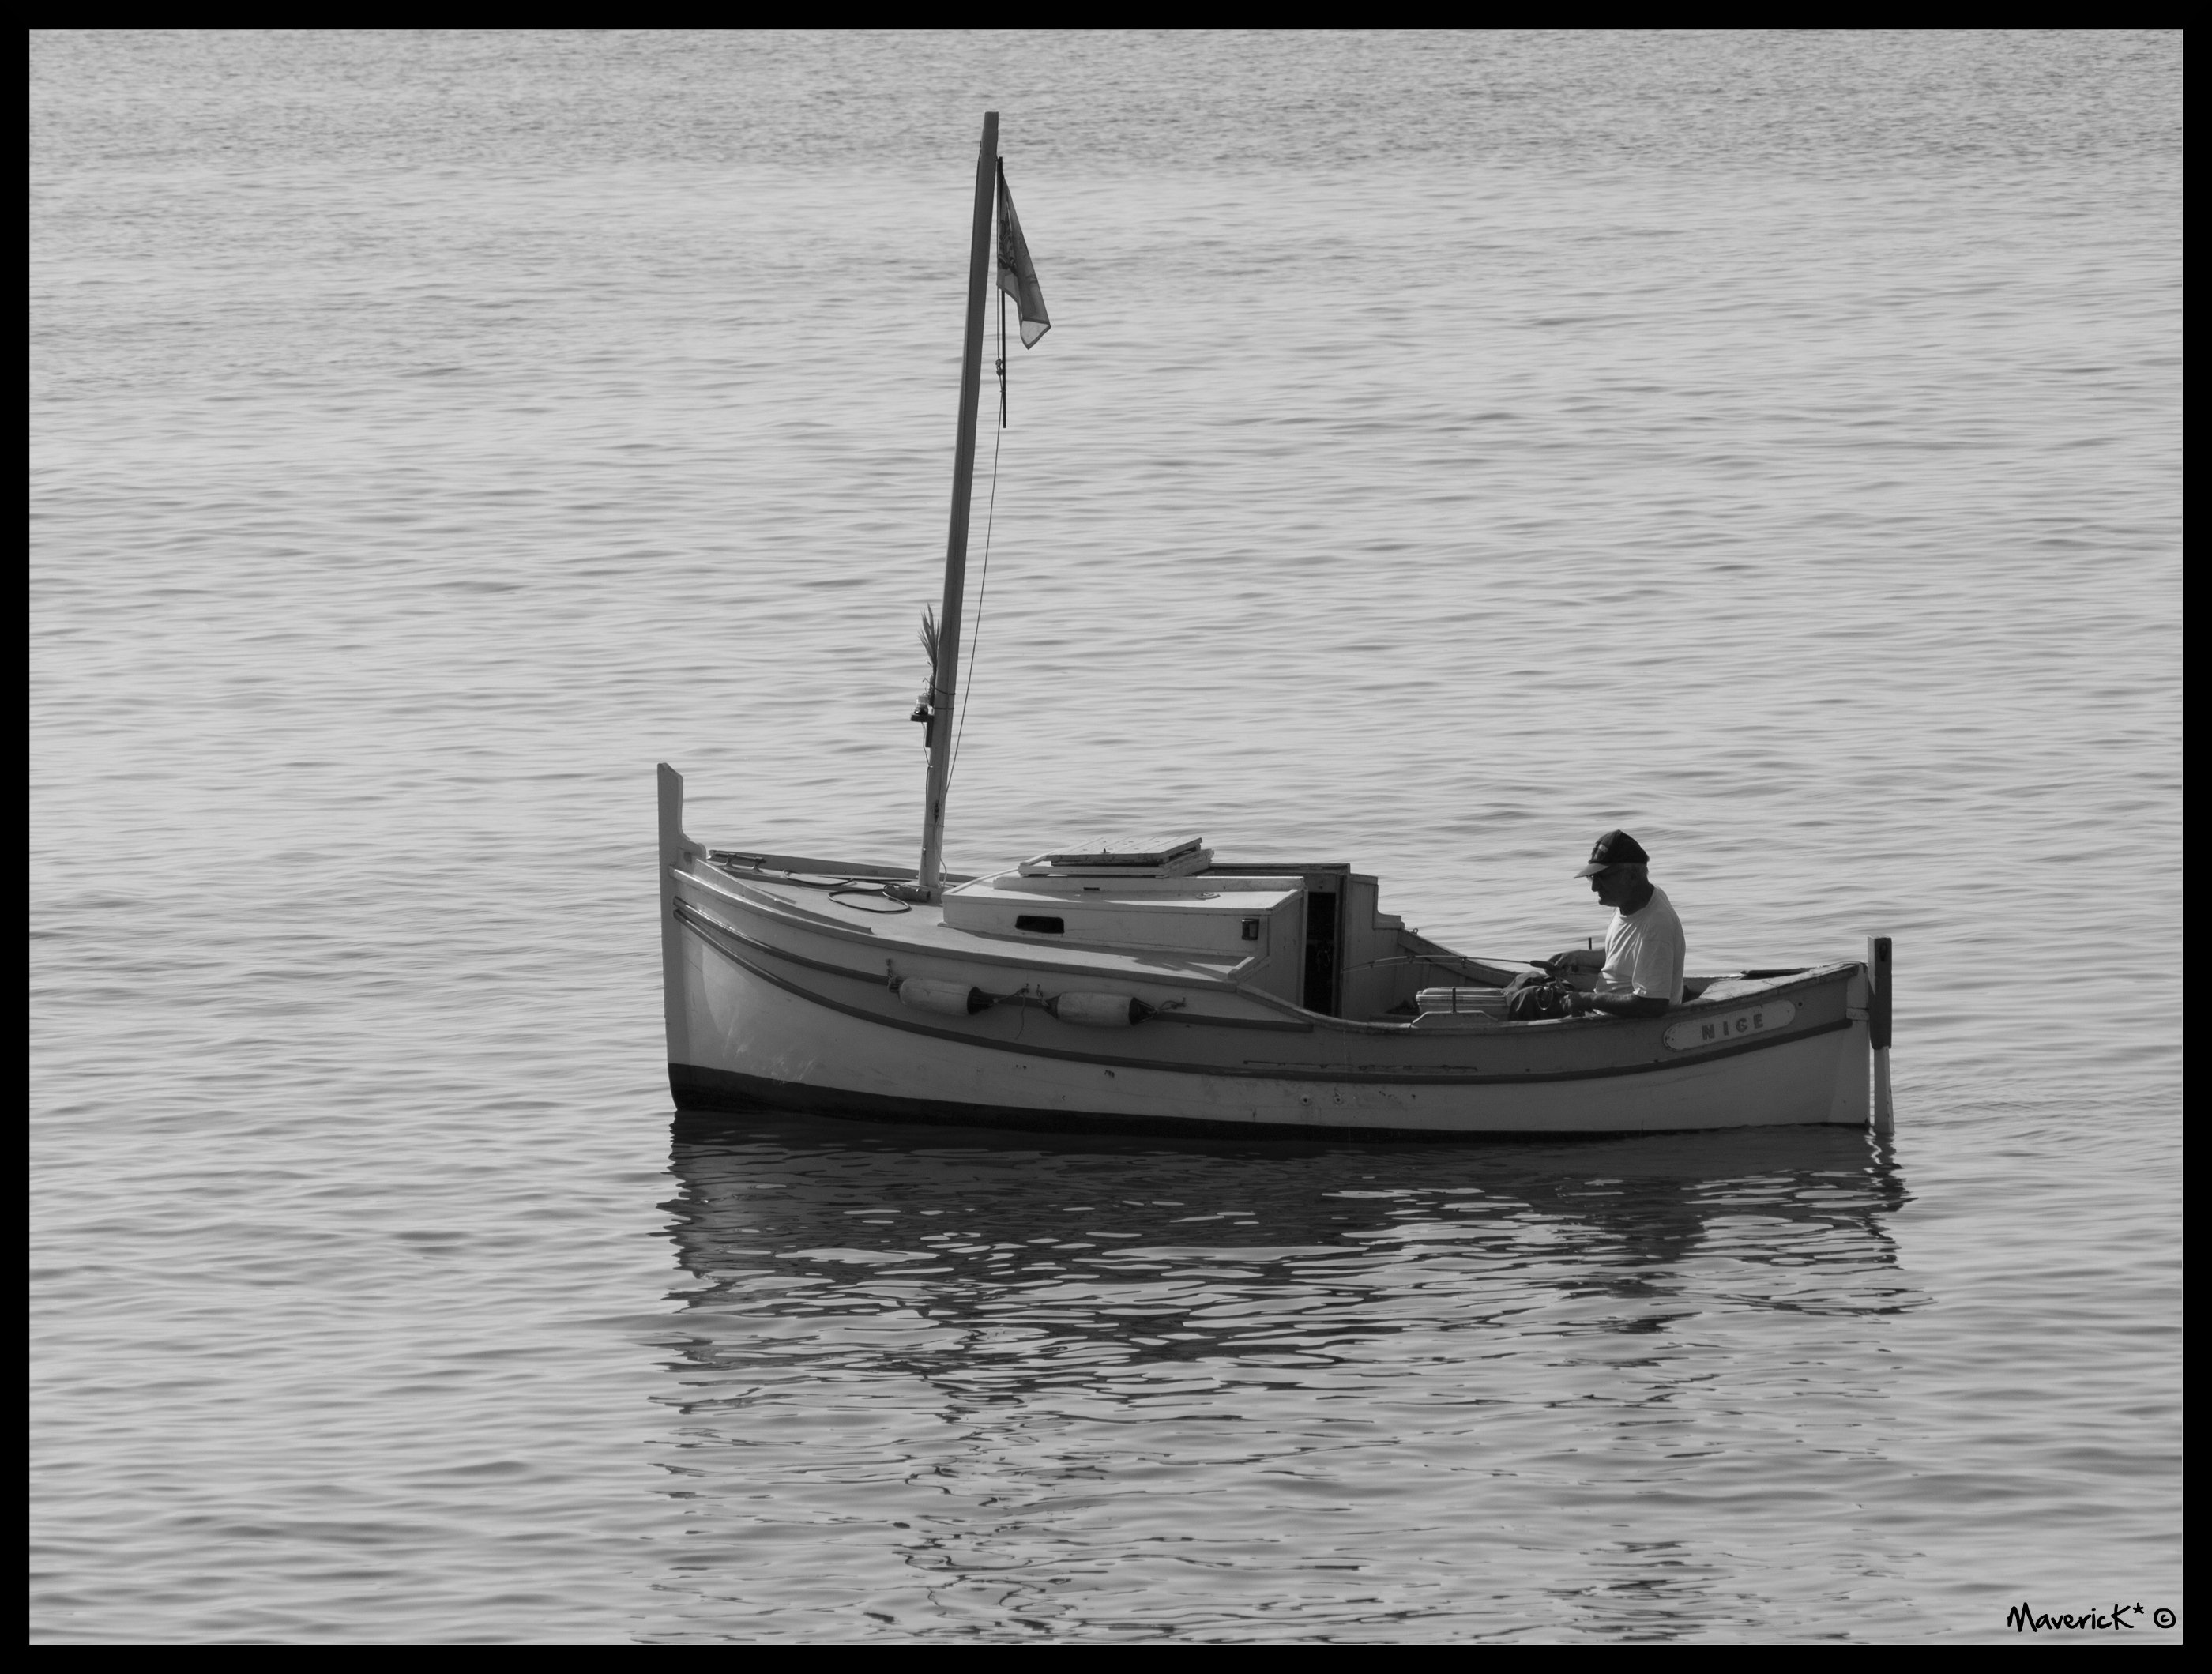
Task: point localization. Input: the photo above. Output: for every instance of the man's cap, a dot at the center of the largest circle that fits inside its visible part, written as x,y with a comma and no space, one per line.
1614,848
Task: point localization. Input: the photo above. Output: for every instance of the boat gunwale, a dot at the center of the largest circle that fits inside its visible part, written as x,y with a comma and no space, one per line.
706,927
688,913
1184,974
1811,975
719,859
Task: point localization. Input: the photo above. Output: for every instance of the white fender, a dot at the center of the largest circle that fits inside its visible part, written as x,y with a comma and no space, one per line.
1099,1011
946,999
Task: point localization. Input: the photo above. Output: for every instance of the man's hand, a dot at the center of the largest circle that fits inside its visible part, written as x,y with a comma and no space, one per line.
1576,958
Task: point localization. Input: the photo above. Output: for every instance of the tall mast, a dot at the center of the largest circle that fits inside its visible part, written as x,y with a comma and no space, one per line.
945,681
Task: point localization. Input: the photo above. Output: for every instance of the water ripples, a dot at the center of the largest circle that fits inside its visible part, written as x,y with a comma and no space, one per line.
1448,448
1286,1391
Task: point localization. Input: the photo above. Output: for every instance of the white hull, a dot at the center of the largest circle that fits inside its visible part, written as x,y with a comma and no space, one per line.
783,999
756,1044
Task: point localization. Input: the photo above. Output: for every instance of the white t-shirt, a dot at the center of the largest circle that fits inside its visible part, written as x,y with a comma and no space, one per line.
1644,952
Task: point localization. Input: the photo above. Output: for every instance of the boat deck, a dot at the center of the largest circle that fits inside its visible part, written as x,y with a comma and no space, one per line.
846,900
802,888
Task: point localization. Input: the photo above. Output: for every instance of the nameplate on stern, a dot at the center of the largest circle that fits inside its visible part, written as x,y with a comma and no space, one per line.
1695,1031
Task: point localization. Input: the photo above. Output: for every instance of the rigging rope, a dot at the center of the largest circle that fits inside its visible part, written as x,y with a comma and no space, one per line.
983,585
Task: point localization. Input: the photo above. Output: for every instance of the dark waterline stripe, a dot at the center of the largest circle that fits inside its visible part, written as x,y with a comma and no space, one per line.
700,1092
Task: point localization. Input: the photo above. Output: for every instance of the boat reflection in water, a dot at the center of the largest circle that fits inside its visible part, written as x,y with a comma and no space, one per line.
1300,1386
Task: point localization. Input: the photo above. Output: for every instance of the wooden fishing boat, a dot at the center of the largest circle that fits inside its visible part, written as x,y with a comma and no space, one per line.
1140,984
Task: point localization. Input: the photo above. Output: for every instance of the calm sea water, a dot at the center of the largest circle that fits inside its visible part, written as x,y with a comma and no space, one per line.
1446,448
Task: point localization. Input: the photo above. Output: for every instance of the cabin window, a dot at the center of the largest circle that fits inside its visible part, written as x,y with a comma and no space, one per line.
1042,924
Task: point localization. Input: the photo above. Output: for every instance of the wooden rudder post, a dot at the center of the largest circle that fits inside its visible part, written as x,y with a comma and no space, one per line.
1878,967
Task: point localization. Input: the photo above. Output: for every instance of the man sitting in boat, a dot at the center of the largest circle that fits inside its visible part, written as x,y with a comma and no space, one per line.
1642,976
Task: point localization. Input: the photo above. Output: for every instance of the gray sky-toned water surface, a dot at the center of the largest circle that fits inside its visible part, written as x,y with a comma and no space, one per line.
1447,448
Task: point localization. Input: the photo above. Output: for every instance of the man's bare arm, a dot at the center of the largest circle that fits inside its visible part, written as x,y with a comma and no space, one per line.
1623,1005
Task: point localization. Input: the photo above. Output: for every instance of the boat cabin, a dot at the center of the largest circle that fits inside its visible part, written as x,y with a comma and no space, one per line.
1309,933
